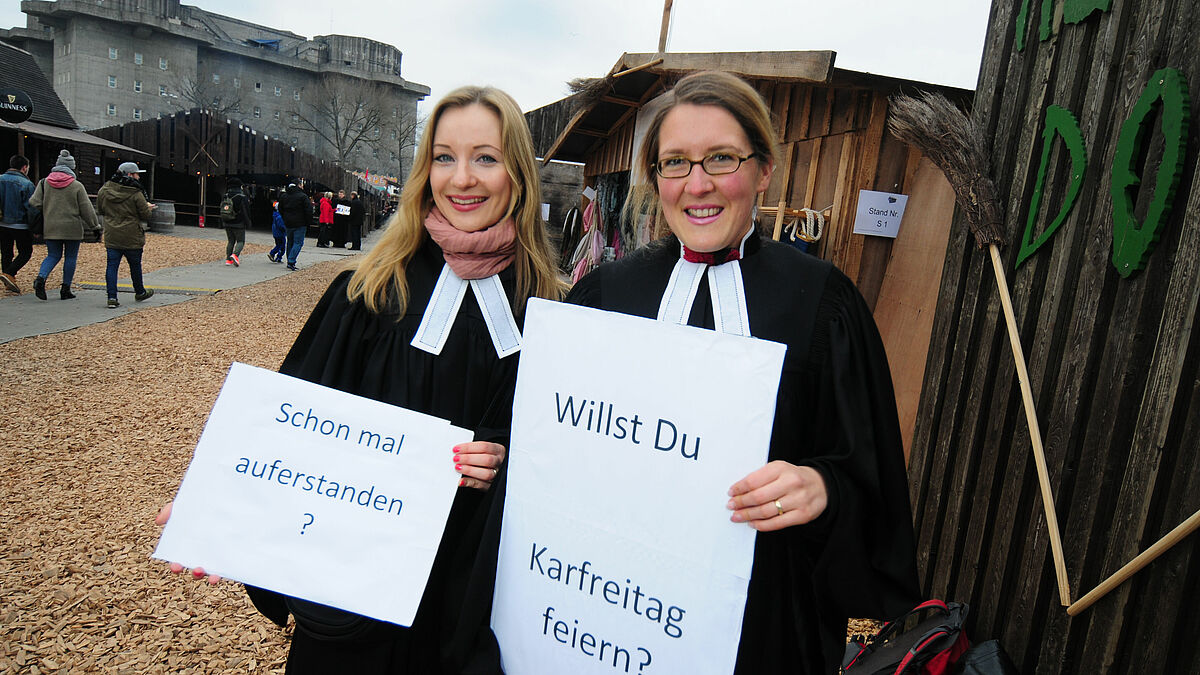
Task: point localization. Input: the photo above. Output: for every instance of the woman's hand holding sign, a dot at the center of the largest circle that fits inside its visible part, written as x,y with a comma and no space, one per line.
164,514
478,462
778,495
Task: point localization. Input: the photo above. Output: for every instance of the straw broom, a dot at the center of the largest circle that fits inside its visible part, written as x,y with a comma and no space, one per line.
954,143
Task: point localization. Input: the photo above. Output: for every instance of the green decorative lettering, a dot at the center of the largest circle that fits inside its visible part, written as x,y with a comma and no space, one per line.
1060,122
1047,19
1133,242
1075,11
1022,15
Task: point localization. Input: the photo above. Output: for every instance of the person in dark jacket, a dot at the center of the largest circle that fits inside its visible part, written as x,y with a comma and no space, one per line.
296,209
831,506
279,234
15,191
123,204
66,212
356,222
341,219
363,338
235,230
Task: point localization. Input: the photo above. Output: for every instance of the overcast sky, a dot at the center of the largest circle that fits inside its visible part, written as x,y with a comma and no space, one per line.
531,48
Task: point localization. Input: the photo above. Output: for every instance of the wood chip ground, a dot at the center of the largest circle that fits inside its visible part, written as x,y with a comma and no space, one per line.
98,425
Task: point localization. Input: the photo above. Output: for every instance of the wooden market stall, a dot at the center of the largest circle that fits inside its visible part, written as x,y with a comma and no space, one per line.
835,143
50,128
1094,155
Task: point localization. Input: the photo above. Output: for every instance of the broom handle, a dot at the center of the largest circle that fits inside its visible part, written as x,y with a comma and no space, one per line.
1035,435
1133,566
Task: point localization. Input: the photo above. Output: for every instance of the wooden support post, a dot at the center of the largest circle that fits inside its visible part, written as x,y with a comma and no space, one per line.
783,191
666,26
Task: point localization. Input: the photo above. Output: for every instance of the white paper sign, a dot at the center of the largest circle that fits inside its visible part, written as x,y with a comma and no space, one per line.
617,553
342,210
879,213
316,493
589,193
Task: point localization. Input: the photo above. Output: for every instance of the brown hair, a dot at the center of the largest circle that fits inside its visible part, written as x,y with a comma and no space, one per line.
707,87
382,270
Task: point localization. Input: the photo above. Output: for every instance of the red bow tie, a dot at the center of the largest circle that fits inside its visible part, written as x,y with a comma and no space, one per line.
715,258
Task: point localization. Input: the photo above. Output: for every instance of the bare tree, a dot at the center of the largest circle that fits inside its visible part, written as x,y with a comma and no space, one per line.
201,92
343,113
398,134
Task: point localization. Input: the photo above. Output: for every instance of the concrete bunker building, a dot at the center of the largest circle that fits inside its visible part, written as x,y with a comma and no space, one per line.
119,61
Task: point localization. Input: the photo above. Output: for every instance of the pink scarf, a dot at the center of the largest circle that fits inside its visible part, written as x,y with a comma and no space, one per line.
474,255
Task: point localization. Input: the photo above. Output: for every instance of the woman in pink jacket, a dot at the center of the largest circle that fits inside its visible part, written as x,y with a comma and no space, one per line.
66,212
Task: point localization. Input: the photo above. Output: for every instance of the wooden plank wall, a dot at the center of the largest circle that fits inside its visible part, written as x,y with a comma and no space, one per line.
194,142
1114,364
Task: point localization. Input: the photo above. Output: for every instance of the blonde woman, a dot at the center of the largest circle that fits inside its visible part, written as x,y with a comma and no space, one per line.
469,226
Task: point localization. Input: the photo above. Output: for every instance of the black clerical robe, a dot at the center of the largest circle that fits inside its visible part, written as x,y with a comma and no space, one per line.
347,347
836,412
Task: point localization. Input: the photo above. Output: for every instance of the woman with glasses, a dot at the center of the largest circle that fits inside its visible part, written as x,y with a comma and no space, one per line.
831,505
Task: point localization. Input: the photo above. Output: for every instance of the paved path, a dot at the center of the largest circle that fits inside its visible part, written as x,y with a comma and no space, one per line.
24,315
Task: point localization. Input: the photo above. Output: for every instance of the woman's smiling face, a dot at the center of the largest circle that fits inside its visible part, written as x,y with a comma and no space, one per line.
706,212
467,176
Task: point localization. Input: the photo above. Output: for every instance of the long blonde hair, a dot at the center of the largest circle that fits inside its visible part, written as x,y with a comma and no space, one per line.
707,87
381,271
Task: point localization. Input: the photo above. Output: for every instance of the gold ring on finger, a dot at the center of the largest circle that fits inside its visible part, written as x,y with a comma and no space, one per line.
779,507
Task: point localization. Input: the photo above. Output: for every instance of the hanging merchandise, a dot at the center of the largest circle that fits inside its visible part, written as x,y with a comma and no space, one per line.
591,246
572,232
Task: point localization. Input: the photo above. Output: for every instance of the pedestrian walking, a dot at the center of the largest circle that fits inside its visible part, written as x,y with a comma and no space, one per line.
66,213
15,191
296,210
122,202
235,216
279,233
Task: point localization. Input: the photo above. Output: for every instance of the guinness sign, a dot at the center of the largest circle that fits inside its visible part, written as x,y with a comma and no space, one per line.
15,106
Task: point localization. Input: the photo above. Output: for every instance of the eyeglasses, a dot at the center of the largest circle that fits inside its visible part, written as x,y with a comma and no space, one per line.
716,164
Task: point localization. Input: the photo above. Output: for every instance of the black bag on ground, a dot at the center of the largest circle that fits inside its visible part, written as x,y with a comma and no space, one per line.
930,647
986,658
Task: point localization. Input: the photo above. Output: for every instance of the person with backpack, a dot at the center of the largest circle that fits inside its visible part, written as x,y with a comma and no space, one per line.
235,216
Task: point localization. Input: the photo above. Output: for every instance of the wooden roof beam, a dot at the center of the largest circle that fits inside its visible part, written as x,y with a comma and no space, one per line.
595,133
807,66
621,100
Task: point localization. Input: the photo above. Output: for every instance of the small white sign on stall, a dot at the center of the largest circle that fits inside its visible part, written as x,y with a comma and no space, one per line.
317,494
617,553
879,213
